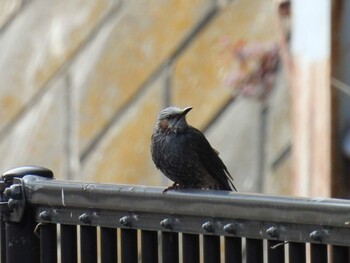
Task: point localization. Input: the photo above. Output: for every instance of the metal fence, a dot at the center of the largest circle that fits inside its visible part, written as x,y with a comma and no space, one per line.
48,220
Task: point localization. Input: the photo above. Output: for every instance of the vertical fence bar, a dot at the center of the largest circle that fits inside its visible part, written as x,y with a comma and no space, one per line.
254,248
2,240
69,250
88,244
211,249
170,247
297,252
190,248
128,245
149,246
318,253
340,254
108,245
233,249
48,243
275,254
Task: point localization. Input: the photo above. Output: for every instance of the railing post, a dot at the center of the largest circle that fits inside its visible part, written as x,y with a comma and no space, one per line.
20,243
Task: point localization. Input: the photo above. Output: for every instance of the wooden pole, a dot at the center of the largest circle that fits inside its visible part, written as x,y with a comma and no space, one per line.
341,87
311,97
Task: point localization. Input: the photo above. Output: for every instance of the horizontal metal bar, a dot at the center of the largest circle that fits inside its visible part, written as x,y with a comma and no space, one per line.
317,220
194,225
224,204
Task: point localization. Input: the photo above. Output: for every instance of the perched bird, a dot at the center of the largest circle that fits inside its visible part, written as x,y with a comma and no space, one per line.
185,156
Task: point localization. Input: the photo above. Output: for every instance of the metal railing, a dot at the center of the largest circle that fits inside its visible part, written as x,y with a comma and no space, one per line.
48,220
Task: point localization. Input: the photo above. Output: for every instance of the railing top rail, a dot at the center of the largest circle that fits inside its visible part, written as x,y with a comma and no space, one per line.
202,203
199,212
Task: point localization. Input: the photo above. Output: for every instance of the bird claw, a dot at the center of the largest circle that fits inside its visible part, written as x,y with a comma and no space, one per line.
174,186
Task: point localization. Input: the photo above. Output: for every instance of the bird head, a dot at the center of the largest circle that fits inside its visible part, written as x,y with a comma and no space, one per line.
172,119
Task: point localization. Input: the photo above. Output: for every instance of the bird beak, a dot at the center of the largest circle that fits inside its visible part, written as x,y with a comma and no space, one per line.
185,111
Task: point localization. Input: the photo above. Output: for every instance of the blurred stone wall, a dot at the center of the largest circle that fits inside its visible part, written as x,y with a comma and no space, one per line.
82,82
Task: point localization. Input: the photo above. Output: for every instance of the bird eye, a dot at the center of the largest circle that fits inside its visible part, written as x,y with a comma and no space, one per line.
168,116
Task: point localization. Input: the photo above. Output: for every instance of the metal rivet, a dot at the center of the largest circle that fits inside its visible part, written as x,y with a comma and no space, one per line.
230,228
208,227
7,192
85,218
12,204
16,191
125,221
166,223
316,235
45,215
272,231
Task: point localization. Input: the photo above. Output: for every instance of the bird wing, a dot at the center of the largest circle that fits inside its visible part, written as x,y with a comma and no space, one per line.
210,159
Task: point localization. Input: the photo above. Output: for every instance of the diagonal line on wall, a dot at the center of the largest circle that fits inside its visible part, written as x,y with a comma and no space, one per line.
14,15
219,113
60,70
166,65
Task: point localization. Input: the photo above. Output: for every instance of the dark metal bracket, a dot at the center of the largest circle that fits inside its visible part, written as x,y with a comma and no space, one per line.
12,196
12,201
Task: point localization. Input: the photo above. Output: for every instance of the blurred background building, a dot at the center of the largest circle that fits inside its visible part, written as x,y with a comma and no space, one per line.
82,82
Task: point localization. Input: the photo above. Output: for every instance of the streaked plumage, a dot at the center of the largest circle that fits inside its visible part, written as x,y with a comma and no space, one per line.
185,156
